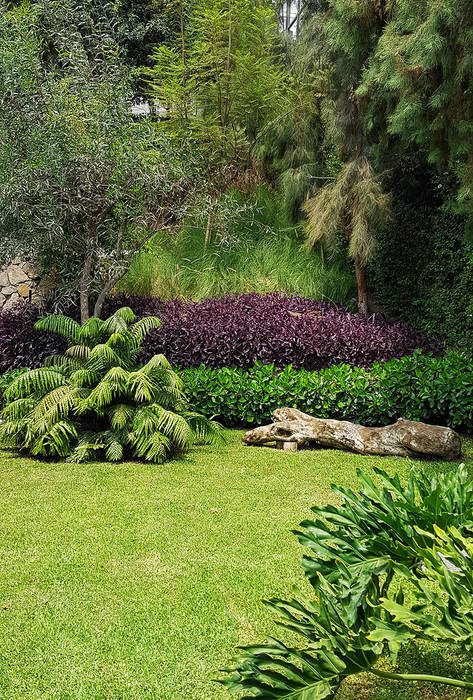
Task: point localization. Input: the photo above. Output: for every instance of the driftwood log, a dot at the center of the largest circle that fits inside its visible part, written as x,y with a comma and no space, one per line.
292,429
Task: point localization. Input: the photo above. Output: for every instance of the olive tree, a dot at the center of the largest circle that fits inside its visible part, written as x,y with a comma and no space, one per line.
83,182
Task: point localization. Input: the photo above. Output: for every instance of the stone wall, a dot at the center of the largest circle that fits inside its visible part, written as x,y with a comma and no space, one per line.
20,280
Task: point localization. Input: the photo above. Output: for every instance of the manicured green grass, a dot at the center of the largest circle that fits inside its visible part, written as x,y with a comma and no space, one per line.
136,581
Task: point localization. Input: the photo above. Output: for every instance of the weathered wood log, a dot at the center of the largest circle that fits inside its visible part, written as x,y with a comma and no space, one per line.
403,438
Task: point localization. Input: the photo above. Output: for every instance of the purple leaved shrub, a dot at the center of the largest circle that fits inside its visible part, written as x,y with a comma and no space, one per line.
237,331
20,344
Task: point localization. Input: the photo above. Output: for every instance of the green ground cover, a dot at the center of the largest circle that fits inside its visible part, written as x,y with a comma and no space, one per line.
127,581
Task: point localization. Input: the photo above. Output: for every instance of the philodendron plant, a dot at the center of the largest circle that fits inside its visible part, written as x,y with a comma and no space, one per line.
360,556
97,401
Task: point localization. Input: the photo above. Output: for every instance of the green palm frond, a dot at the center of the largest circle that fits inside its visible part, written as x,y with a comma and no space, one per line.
102,357
153,447
113,386
63,325
119,321
79,352
86,448
157,362
120,341
145,421
91,331
114,449
56,405
172,400
166,379
121,415
140,329
12,432
63,363
141,386
84,377
204,430
173,425
56,442
125,313
40,381
18,408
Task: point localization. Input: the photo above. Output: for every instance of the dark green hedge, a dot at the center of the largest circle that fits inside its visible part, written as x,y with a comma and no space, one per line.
417,387
422,272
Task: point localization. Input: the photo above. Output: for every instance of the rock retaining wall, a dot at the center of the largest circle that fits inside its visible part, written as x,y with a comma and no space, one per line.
20,280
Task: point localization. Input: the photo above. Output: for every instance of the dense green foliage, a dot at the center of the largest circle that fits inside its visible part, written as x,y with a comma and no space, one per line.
83,184
362,554
95,400
220,82
416,387
422,270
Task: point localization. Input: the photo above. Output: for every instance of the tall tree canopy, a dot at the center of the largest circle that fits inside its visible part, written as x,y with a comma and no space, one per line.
83,184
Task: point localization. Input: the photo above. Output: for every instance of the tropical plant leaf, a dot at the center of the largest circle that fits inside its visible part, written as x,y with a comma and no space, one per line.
63,325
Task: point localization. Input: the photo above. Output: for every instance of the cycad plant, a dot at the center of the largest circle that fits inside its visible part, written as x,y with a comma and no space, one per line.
97,401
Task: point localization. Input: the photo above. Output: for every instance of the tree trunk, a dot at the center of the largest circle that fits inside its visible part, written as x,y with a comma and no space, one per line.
84,286
103,295
360,272
403,438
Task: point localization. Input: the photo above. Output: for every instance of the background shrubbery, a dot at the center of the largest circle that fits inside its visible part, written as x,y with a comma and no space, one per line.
234,331
237,331
422,271
432,389
20,344
251,245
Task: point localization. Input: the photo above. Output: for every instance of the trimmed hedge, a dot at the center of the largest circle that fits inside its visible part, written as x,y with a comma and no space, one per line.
432,389
278,329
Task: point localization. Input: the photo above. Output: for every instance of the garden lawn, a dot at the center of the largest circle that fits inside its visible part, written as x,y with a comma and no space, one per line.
136,581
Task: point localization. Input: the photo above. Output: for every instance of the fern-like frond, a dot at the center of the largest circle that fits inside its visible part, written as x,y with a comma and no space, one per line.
154,447
125,313
79,352
120,341
56,442
173,425
102,357
144,421
114,449
63,325
119,322
141,386
86,448
84,377
114,385
12,432
63,363
140,329
18,409
121,415
39,381
91,332
56,405
158,361
204,430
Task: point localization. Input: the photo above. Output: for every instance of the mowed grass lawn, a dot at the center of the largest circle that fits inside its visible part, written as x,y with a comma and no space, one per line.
137,581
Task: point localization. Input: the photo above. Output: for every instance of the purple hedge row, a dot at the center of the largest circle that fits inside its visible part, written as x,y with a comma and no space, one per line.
237,331
20,344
